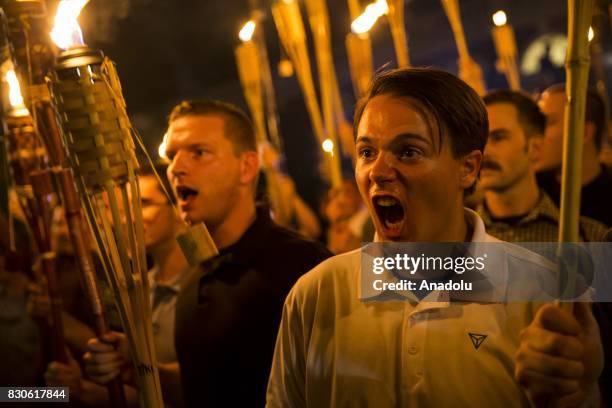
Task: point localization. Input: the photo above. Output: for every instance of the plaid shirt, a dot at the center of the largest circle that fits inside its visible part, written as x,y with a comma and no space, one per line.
541,224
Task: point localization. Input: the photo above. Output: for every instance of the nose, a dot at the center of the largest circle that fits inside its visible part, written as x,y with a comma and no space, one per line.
179,165
383,169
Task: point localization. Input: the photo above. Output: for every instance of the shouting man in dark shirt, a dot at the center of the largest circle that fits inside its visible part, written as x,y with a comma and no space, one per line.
228,311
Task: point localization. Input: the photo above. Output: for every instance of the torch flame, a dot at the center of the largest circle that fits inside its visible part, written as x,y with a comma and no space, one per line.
15,97
591,34
366,20
66,31
246,32
328,145
499,18
161,150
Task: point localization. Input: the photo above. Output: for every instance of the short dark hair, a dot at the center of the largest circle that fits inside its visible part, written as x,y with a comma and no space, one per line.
595,111
529,114
160,169
458,111
238,127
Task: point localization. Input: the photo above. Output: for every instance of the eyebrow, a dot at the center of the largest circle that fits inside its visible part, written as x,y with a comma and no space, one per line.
189,146
499,131
398,138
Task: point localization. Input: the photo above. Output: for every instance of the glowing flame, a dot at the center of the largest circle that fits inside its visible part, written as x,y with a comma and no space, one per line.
591,34
161,150
499,18
66,31
15,97
328,145
246,32
366,20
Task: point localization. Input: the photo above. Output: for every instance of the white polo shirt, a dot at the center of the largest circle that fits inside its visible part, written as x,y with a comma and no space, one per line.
335,350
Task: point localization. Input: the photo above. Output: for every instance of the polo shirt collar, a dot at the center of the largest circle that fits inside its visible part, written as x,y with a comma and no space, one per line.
435,299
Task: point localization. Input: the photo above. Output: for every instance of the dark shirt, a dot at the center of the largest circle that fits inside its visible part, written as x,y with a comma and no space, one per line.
229,310
595,197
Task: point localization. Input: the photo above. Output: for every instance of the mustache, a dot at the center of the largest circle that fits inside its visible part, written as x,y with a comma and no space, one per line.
490,164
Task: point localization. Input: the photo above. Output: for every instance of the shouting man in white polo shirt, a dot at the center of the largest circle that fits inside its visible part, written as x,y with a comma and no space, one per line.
420,134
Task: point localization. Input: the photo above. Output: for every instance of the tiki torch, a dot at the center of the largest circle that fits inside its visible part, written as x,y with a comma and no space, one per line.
250,61
32,180
505,45
30,37
359,45
290,27
331,102
97,135
398,32
469,70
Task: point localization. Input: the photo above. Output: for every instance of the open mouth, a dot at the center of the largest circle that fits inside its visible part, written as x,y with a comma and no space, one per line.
186,194
390,213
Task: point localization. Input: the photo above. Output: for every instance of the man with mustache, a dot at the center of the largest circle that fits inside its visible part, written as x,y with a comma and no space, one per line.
596,192
420,136
514,208
228,310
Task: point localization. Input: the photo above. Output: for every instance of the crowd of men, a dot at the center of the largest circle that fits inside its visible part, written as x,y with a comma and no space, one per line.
278,318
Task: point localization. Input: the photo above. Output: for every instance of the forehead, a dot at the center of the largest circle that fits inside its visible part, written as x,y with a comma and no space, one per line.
386,115
552,102
195,129
502,114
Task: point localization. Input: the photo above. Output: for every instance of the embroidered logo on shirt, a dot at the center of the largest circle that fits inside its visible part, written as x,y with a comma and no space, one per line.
477,339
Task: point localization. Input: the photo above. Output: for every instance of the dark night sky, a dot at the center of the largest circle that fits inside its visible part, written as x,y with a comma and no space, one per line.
171,50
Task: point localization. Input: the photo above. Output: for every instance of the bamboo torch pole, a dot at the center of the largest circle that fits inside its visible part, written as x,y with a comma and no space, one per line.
398,32
505,45
577,72
469,70
330,95
248,60
266,77
290,27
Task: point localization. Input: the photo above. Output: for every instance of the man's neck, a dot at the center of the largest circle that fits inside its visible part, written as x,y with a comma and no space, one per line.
456,228
235,224
169,260
515,201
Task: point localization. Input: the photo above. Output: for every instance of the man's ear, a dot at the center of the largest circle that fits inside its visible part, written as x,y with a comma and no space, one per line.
589,133
534,148
470,167
249,167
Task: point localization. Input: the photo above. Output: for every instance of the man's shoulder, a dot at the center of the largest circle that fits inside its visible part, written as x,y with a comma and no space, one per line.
337,270
593,230
283,239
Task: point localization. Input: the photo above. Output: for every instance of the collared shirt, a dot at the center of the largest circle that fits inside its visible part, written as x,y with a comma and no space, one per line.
228,313
335,350
541,224
163,304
